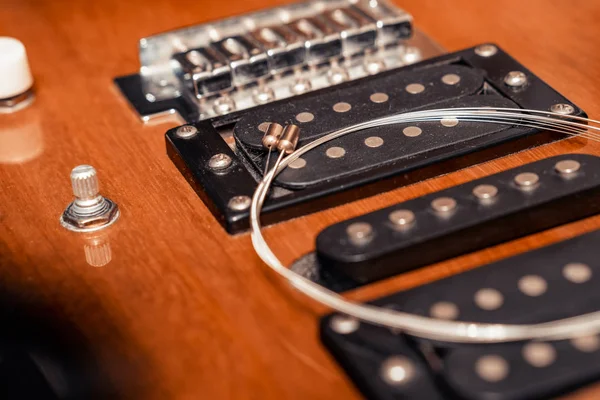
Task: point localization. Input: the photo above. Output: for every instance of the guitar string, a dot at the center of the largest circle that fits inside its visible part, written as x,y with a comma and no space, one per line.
412,324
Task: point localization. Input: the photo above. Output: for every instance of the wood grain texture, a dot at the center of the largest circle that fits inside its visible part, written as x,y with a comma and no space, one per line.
184,311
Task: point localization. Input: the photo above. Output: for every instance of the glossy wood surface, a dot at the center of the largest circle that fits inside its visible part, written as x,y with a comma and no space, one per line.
182,310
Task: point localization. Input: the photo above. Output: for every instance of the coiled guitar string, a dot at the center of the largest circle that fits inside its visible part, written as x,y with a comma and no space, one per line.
417,325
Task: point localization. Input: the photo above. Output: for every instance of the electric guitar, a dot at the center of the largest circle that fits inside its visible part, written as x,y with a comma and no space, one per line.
326,199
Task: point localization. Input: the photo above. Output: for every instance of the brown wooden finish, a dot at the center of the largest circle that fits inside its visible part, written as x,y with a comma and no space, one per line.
184,311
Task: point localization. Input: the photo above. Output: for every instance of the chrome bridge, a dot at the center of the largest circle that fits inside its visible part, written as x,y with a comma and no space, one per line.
234,64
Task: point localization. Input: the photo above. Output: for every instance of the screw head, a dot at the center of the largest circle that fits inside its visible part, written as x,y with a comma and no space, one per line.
486,50
186,131
374,66
515,79
562,108
219,162
337,75
411,55
397,370
344,324
300,85
239,203
223,105
263,95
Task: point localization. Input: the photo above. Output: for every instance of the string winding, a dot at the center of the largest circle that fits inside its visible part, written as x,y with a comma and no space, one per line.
412,324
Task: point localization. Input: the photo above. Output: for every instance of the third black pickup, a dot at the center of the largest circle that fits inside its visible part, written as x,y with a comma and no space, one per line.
461,219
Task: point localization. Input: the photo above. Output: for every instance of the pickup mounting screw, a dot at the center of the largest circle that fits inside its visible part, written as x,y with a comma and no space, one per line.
263,95
300,85
374,66
411,55
239,203
344,324
562,108
223,105
219,162
337,75
515,79
186,131
397,370
486,50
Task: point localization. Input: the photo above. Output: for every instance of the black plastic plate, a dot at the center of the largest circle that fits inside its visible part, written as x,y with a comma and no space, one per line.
363,170
472,224
553,282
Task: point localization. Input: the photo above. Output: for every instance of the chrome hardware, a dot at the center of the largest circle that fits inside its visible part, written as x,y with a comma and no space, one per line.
358,32
205,70
89,211
393,23
246,59
240,203
321,40
186,131
284,48
217,66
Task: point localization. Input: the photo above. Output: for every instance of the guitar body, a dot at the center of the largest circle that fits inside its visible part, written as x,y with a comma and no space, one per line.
169,304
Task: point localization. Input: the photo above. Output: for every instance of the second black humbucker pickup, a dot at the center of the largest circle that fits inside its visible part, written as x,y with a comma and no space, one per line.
461,219
554,282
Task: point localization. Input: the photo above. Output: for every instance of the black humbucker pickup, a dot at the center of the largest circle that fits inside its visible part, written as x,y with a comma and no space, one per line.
461,219
553,282
367,162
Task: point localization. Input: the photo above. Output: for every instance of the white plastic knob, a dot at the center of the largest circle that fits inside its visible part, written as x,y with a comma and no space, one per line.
15,75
